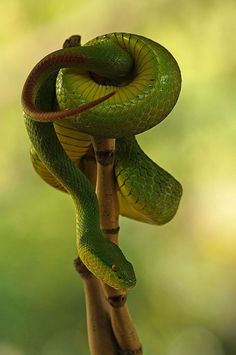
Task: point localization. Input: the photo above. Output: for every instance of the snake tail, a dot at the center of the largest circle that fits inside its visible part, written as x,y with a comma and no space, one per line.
93,58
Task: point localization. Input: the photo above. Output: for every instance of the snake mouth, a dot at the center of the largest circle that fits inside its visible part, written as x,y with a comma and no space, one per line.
118,282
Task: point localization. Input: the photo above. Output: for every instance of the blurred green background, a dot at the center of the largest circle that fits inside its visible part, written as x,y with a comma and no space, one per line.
184,302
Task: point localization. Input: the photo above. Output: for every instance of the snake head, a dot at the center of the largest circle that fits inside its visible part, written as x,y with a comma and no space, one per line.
107,262
118,271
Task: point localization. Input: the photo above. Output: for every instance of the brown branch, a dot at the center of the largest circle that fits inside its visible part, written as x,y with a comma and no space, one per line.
122,324
100,334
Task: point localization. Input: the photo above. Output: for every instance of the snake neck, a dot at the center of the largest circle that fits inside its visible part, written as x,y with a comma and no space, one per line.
87,216
50,151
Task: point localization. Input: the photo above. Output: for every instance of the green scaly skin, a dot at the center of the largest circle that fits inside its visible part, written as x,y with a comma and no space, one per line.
146,192
97,253
144,96
146,81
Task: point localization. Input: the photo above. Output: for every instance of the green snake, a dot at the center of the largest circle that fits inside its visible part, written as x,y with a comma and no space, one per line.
115,86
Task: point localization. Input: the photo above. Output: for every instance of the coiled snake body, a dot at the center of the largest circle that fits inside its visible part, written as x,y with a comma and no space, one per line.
116,86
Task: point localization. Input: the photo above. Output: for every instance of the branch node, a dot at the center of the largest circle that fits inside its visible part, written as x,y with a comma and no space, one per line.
81,269
131,352
117,301
72,41
105,157
111,230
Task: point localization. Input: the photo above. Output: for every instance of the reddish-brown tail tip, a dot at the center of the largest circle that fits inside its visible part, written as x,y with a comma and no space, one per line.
59,115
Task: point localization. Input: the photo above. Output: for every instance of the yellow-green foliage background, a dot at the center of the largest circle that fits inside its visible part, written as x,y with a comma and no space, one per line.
184,302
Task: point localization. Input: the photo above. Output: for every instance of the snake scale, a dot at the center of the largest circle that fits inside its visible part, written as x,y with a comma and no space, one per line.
116,86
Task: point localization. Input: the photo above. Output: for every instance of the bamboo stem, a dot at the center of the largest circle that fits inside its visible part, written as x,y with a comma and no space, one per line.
122,324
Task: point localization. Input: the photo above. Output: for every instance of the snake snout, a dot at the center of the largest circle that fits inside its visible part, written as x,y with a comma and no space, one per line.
118,272
124,274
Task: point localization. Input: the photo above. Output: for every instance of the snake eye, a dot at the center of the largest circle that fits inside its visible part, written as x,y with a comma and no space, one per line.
114,267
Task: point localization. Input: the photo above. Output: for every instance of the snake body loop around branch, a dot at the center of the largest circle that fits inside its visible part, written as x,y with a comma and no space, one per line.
116,86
